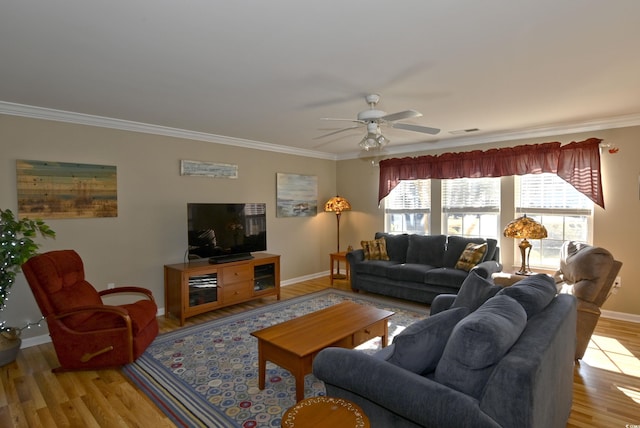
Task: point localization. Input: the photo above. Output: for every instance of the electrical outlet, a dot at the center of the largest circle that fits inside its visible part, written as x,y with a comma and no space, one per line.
617,283
110,285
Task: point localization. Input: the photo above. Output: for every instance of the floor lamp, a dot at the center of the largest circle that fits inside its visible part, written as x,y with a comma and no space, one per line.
525,228
337,204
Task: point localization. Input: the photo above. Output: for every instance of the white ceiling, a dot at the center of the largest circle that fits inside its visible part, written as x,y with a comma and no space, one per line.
267,71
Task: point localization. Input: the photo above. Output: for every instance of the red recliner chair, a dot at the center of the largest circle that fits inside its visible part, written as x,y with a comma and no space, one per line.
86,333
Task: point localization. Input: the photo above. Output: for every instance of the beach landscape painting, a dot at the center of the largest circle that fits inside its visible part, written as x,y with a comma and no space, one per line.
52,190
296,195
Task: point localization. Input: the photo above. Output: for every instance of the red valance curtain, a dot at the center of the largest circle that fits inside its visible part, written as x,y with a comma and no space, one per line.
578,163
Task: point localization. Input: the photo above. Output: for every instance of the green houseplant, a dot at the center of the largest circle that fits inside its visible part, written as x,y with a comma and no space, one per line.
17,245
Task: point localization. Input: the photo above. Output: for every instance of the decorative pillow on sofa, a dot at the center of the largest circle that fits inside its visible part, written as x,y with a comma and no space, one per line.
418,348
534,292
474,291
396,245
375,250
478,342
471,256
457,244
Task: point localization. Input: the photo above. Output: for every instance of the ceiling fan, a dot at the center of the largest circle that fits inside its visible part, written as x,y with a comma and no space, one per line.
372,119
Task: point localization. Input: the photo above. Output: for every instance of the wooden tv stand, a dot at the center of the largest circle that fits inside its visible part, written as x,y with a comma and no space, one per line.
198,286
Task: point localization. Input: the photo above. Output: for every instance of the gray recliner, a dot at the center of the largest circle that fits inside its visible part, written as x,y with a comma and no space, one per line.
588,273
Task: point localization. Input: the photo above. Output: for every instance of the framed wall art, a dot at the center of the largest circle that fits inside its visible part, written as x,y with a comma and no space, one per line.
66,190
208,169
296,195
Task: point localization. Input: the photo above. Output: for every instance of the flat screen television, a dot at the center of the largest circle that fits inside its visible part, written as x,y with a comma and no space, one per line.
224,232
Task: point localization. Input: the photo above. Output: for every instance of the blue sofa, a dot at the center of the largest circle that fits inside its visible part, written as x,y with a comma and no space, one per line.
420,267
508,363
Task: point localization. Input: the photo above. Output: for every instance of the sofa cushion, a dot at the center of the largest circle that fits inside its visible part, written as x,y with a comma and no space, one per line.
457,244
396,245
373,267
478,342
418,348
426,249
492,249
534,292
375,250
475,290
408,272
447,277
471,256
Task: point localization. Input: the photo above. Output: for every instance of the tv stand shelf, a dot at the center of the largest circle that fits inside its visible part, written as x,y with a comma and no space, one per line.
198,286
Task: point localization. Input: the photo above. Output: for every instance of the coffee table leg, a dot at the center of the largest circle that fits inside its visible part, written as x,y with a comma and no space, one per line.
386,334
262,366
299,387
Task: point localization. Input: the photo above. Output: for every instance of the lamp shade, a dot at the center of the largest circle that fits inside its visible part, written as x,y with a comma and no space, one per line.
525,228
337,204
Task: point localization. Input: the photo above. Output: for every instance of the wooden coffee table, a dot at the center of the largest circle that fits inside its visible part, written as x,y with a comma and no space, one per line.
293,344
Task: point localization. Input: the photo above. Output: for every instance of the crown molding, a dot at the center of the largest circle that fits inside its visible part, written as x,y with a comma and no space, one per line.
23,110
520,134
34,112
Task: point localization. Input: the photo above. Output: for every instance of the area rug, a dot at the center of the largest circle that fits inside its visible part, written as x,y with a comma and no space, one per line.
207,375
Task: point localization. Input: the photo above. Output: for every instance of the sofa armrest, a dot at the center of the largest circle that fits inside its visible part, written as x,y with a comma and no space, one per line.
486,268
399,391
442,302
355,256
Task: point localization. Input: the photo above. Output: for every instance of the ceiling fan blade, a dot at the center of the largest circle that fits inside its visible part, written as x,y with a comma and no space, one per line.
343,120
333,101
336,132
407,114
416,128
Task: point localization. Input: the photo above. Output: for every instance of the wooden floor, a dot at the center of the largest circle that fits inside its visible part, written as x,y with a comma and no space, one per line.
606,382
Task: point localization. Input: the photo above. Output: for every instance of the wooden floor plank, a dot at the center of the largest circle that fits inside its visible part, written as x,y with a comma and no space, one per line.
32,396
31,415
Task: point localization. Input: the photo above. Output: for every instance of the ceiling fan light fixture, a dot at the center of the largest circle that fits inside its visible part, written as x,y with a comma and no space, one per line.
373,141
382,140
373,119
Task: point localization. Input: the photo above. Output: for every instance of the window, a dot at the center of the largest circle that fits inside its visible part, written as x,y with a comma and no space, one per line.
408,207
565,213
471,207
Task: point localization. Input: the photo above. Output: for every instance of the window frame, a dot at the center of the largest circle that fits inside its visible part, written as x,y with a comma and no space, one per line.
392,211
539,257
472,211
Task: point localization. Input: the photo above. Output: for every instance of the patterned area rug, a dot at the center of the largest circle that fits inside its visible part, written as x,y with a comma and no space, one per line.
207,375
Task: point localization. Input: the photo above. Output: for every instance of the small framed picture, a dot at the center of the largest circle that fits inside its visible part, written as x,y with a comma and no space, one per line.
208,169
296,195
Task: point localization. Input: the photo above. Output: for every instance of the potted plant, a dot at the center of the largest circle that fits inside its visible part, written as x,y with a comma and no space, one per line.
17,245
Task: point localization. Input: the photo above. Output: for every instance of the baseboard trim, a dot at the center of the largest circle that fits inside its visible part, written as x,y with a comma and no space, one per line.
620,316
39,340
303,278
45,338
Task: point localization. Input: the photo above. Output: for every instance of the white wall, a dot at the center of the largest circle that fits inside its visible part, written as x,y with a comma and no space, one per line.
151,227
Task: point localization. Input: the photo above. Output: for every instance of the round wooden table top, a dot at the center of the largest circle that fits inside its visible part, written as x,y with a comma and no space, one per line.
330,412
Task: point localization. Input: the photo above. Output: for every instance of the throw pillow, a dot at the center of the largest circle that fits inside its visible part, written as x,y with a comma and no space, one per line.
534,292
478,343
418,348
471,256
474,291
396,245
375,250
